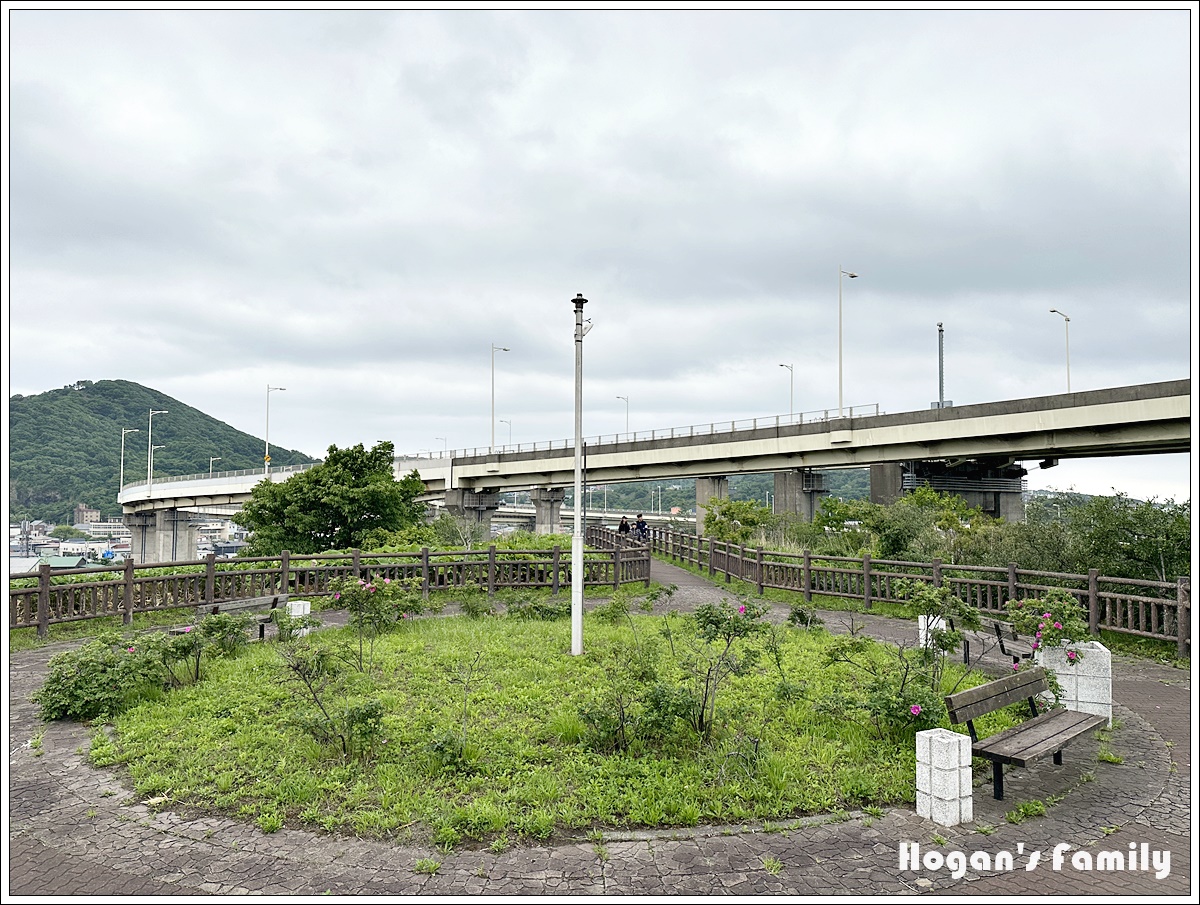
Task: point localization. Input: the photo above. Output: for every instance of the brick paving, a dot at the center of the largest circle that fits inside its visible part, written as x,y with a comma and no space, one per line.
74,830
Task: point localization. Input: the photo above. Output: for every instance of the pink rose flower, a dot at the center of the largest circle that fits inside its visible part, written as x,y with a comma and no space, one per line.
1070,655
914,709
742,609
1058,625
1016,666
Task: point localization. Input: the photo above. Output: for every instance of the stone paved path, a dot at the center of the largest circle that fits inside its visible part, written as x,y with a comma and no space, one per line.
75,831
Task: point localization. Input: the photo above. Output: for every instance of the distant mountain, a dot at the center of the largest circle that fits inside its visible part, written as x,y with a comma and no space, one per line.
64,446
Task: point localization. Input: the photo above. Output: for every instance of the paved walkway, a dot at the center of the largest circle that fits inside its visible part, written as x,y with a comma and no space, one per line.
74,830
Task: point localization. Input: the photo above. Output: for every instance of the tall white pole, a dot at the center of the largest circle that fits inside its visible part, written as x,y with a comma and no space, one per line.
212,459
124,431
791,389
150,449
852,276
495,349
577,536
1067,329
626,398
267,432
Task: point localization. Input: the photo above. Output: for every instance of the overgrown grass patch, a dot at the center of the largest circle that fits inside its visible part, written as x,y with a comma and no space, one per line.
481,737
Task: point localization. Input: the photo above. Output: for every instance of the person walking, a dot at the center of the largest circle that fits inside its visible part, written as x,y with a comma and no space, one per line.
623,528
640,529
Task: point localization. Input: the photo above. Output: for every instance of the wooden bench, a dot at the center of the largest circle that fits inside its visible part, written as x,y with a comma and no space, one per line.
1043,734
268,606
1006,631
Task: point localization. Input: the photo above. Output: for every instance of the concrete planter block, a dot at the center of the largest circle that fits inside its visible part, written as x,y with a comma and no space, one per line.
944,776
926,625
299,608
1086,683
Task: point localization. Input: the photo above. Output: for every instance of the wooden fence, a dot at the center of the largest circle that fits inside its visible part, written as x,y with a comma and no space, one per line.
1148,609
62,596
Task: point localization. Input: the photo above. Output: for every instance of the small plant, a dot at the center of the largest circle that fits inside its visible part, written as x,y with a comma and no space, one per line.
427,866
601,851
773,866
499,845
1087,776
1108,755
91,813
270,822
803,615
873,810
939,839
1055,618
1109,830
1025,810
985,829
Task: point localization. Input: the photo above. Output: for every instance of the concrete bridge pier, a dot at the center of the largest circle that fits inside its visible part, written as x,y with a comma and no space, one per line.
476,506
799,491
164,535
707,489
996,487
547,508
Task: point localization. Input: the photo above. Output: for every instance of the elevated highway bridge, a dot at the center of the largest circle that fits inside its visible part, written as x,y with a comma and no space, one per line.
973,450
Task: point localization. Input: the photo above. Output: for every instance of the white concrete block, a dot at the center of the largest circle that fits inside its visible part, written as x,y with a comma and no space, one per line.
943,775
947,813
924,777
299,607
924,804
927,624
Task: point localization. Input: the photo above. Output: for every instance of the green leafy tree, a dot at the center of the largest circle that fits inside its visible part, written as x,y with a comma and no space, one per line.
66,532
1133,539
350,500
734,521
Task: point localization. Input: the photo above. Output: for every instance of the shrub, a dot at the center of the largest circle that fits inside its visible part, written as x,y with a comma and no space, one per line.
520,607
102,678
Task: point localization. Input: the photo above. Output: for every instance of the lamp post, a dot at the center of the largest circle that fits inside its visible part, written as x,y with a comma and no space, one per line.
1067,328
577,536
852,276
626,398
495,349
124,431
509,423
267,432
148,482
212,459
150,447
791,389
941,367
443,439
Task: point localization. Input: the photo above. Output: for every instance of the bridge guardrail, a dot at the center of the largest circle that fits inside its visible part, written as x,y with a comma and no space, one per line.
1160,610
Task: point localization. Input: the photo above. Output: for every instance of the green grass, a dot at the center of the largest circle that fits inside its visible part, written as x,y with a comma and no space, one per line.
233,744
20,639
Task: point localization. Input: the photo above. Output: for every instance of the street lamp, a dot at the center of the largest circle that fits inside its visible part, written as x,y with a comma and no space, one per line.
124,431
791,389
852,276
267,432
150,446
443,439
1067,328
577,537
626,398
212,459
495,349
509,423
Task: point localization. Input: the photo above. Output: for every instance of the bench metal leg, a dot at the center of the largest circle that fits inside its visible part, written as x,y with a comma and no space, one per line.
1058,757
998,780
966,652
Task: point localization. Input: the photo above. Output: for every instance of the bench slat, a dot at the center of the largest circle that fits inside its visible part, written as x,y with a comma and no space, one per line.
1034,739
974,702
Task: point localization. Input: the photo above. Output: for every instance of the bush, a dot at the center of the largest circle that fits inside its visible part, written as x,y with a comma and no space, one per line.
537,608
102,678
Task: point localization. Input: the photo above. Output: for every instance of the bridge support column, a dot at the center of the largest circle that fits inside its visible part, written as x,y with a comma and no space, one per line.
887,482
166,535
707,489
995,487
475,506
799,491
547,509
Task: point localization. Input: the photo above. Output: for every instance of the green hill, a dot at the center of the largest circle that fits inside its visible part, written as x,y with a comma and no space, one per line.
65,446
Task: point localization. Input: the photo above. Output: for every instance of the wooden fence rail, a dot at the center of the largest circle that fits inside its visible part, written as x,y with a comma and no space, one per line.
1148,609
67,595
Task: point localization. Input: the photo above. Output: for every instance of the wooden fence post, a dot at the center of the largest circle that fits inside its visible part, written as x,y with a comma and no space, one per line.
937,573
355,556
1183,604
492,570
43,599
1012,581
210,581
866,579
1094,601
127,592
285,567
554,567
424,573
808,576
616,565
759,569
711,568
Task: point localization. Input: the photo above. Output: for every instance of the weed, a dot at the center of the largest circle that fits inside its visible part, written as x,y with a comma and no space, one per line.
601,852
1087,776
939,839
91,813
1025,810
270,822
985,829
499,845
873,810
427,866
1109,830
1108,756
773,866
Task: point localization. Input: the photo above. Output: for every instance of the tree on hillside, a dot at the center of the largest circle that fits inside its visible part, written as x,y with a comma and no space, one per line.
1147,540
350,500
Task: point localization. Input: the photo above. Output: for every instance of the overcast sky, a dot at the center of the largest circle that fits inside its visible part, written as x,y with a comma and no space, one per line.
357,205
